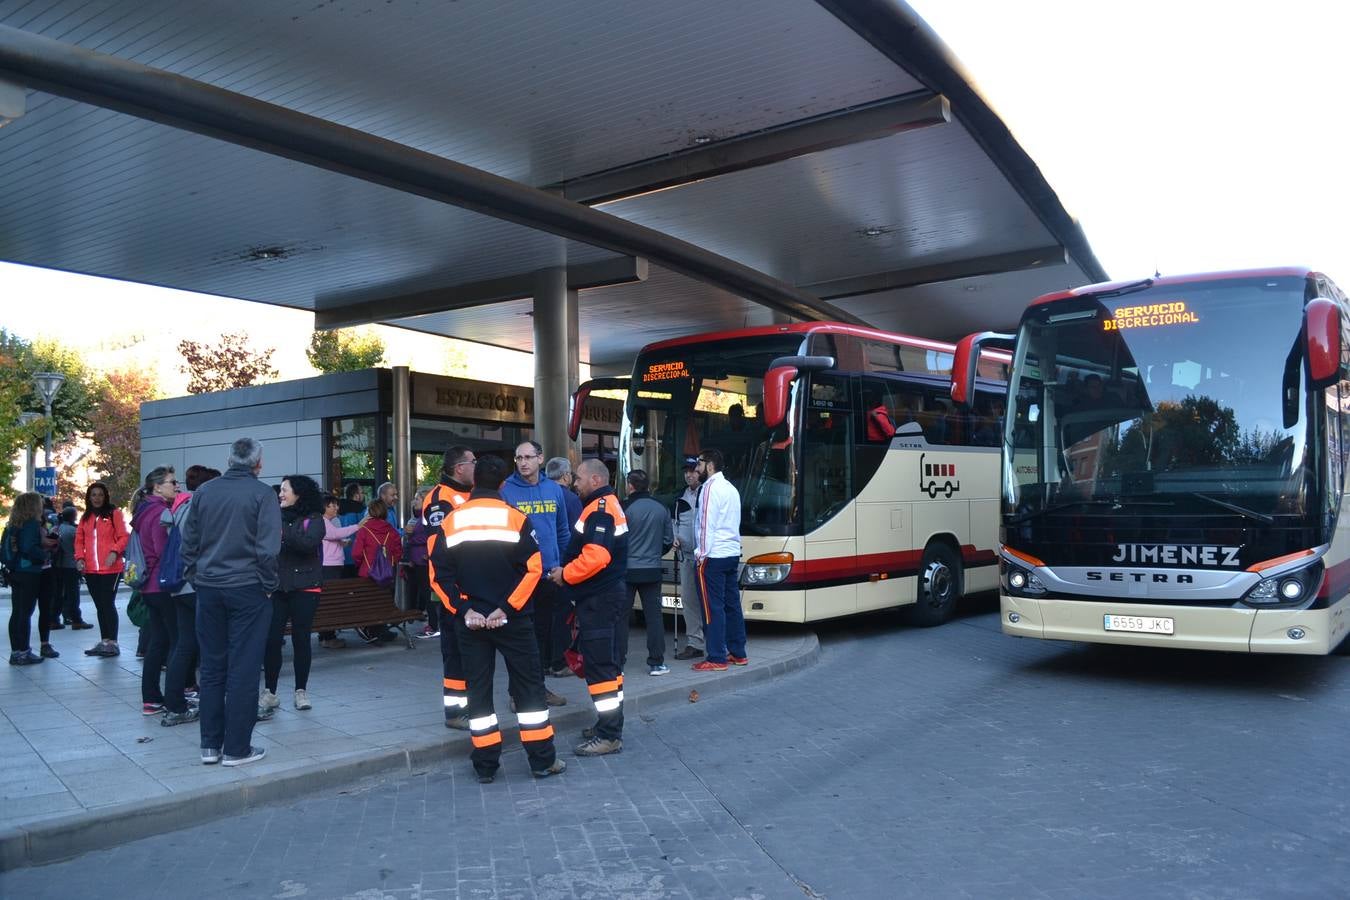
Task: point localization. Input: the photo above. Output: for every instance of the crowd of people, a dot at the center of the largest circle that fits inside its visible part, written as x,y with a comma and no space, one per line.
537,564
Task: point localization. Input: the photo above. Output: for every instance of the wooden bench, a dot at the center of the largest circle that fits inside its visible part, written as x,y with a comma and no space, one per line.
360,603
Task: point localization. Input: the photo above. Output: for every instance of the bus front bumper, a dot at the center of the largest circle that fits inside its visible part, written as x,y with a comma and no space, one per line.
1193,628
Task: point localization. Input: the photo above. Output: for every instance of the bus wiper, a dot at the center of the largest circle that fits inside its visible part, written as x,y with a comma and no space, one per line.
1130,288
1233,507
1026,517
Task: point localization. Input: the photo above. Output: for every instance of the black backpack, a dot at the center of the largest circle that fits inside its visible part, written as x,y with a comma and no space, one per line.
9,555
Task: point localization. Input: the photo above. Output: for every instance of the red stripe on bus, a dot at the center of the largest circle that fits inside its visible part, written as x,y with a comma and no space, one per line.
808,570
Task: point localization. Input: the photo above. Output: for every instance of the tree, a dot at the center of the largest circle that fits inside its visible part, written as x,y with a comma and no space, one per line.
19,360
344,350
229,364
116,429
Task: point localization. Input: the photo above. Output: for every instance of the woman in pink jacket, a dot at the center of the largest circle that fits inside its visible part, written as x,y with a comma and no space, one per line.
100,540
334,536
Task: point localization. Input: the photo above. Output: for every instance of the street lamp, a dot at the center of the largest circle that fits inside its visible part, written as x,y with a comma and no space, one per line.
47,384
26,420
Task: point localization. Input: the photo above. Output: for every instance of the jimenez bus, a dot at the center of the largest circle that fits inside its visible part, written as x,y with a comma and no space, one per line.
1174,462
862,486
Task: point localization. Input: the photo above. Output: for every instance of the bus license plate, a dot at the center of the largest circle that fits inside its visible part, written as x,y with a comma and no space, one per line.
669,602
1145,624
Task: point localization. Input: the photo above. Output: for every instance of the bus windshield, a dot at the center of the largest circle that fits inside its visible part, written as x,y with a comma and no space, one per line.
1174,400
689,398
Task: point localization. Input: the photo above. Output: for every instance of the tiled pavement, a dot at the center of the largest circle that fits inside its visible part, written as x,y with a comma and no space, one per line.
77,757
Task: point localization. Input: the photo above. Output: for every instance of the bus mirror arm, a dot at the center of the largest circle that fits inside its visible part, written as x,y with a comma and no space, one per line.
584,390
778,383
1322,330
966,359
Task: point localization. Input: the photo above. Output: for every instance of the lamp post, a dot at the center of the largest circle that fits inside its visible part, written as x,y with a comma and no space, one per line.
47,384
26,419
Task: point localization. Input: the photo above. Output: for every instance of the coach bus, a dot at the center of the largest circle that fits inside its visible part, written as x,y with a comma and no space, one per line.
1174,458
861,486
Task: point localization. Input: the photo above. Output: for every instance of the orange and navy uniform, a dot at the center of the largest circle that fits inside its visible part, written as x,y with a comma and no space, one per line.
487,559
440,500
594,566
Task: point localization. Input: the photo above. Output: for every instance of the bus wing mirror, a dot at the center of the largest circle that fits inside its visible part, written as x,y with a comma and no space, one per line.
585,390
966,362
1322,327
778,383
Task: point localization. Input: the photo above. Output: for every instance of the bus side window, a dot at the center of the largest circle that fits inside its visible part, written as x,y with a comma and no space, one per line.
827,482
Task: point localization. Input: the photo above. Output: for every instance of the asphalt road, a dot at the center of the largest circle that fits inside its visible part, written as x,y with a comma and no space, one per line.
949,762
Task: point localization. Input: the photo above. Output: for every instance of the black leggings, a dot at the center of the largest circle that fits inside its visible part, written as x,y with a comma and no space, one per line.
299,607
24,597
103,590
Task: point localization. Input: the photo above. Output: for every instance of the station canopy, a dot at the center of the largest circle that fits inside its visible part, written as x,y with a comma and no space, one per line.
695,165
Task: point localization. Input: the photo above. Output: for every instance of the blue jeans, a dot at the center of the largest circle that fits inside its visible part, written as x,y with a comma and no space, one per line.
232,634
725,629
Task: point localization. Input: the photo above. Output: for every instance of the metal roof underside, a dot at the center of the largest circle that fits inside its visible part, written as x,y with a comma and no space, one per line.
542,92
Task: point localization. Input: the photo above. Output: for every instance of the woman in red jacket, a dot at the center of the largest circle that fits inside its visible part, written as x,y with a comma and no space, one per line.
374,533
100,540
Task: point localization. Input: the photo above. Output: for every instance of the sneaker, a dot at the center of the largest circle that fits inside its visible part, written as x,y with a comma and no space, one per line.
302,699
268,700
588,733
661,669
369,635
553,699
191,696
80,626
598,746
459,723
104,648
689,653
485,777
738,660
560,672
427,633
48,652
336,643
709,666
209,756
254,754
172,718
557,768
24,658
55,626
151,709
265,712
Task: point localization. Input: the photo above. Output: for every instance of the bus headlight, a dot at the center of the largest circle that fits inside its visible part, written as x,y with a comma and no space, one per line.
767,568
1019,581
1288,589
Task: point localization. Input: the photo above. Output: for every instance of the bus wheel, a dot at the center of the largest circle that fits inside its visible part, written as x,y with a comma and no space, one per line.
939,586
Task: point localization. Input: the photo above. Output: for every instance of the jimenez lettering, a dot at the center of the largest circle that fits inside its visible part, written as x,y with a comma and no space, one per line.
1177,554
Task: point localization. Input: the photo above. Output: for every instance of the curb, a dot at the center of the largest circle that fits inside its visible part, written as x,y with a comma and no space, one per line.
65,837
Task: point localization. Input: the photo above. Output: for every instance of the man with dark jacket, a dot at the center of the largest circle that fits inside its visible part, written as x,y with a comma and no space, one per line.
596,563
650,536
486,565
230,545
457,467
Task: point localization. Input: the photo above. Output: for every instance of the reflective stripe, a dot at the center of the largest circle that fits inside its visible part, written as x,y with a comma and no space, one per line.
536,734
454,684
487,740
482,516
482,722
603,687
619,529
504,535
456,702
608,705
532,718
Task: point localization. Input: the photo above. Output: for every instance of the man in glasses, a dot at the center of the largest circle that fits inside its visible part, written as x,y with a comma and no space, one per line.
542,501
450,493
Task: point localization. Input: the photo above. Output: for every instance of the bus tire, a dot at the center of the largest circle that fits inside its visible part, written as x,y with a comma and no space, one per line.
940,580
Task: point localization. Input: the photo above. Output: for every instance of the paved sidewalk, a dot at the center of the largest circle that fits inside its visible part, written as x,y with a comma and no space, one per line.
81,768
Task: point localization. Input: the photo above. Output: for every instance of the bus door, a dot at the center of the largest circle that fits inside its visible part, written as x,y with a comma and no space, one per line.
827,484
881,476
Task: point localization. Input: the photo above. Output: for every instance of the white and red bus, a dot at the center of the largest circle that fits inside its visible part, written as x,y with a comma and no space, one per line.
862,486
1174,461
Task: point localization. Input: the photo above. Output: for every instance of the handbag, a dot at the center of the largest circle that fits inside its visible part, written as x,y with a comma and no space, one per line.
137,611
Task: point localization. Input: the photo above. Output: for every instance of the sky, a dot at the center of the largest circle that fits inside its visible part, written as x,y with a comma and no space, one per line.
1185,136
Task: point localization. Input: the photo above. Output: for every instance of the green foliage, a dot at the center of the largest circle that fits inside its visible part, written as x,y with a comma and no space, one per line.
71,408
116,429
344,350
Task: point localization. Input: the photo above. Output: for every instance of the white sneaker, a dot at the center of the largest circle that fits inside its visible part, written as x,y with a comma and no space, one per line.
254,754
659,669
268,700
302,699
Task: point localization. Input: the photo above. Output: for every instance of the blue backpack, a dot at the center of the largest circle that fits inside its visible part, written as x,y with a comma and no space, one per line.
171,574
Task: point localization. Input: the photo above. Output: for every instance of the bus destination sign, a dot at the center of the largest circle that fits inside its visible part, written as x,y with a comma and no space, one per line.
1150,316
665,371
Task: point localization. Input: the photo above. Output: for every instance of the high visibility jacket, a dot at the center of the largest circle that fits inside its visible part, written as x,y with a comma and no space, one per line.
486,557
597,557
438,503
